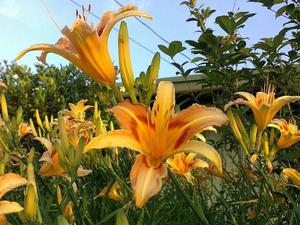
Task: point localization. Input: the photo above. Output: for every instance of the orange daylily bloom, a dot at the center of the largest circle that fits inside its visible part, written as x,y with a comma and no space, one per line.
183,164
52,166
86,46
293,175
289,132
24,129
8,182
264,105
158,134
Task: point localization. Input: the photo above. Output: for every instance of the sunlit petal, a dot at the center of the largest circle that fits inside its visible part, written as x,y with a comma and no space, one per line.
145,181
10,181
281,101
117,138
7,207
192,120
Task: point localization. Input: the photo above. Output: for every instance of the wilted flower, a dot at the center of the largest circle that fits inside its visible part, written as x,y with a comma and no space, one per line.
158,134
86,46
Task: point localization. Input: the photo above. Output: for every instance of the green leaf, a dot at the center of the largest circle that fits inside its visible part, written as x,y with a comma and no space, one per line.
175,47
227,24
164,49
278,39
280,11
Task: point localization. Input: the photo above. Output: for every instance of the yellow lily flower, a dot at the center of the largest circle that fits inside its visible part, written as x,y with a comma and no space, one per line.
8,182
77,111
183,164
289,132
52,166
86,46
158,134
293,175
264,105
112,191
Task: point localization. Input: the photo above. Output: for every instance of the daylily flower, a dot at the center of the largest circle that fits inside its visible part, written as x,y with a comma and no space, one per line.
8,182
113,191
86,46
24,129
293,175
264,105
77,111
183,164
158,134
289,132
52,166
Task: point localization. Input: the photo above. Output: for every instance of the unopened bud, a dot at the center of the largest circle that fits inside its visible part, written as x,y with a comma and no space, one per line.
4,108
30,204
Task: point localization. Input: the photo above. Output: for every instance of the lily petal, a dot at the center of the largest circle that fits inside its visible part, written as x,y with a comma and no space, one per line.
7,207
48,145
52,169
192,120
3,220
204,150
81,172
10,181
53,49
145,181
281,101
117,138
163,107
293,175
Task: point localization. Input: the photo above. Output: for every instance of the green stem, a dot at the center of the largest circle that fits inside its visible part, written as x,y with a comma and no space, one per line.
118,94
149,96
258,140
132,96
198,211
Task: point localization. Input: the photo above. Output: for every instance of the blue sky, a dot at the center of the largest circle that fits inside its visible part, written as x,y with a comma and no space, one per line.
26,22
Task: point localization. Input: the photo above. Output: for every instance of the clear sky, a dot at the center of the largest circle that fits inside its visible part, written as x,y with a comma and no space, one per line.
26,22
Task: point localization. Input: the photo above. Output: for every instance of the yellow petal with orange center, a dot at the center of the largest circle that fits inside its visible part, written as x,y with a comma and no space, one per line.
204,150
145,181
163,107
289,132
